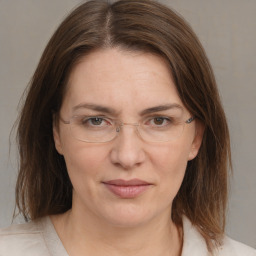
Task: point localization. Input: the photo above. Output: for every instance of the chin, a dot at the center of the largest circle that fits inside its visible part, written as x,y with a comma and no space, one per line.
128,216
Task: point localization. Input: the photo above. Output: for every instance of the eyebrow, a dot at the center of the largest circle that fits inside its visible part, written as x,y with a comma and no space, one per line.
160,108
95,107
109,110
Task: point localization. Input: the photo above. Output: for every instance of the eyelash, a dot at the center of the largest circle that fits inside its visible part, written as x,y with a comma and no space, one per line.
166,122
87,119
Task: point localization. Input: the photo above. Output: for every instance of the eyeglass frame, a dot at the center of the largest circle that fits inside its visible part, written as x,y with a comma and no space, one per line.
118,129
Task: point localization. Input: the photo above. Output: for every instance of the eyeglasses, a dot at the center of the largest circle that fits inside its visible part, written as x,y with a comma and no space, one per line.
100,129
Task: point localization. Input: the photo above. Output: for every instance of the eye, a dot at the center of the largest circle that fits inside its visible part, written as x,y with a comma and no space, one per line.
159,121
94,121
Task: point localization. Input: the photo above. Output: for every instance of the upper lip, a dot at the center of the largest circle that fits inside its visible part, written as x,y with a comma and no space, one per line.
133,182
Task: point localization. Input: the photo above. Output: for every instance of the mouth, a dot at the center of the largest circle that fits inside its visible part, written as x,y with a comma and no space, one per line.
127,188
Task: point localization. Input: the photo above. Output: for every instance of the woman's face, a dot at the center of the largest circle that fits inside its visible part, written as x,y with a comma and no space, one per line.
127,181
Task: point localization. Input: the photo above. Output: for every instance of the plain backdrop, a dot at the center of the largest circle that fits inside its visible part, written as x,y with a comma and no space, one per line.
227,30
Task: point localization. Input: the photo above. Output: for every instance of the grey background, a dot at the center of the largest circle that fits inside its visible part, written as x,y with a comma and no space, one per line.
226,28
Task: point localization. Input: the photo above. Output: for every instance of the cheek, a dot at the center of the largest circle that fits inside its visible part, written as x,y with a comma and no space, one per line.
83,158
170,156
170,162
83,163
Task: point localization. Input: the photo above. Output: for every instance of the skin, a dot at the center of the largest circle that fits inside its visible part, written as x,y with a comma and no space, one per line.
100,223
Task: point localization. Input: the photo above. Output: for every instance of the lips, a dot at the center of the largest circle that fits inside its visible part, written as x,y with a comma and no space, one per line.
127,188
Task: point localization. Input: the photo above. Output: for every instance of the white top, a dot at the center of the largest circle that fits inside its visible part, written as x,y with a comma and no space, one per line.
39,238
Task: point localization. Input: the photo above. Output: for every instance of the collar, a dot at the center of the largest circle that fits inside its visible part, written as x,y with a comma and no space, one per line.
193,242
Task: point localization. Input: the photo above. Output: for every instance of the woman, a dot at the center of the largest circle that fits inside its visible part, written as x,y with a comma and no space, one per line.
124,146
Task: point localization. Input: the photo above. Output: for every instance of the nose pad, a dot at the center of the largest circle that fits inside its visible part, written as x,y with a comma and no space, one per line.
136,125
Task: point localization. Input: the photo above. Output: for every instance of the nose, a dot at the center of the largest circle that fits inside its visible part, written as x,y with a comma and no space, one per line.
127,150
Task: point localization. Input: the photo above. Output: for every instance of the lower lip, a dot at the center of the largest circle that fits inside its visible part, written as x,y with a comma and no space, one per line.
127,191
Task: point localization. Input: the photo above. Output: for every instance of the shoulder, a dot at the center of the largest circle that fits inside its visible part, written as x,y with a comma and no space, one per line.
23,239
195,245
235,248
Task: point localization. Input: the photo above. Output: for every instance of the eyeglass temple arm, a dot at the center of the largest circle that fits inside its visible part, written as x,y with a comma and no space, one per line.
190,120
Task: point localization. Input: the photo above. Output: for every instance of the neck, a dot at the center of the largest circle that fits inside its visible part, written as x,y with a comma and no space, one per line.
82,235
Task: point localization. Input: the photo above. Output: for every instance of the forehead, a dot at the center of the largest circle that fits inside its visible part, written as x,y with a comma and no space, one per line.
121,79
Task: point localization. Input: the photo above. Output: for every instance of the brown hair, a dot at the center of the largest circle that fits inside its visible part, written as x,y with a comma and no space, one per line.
43,185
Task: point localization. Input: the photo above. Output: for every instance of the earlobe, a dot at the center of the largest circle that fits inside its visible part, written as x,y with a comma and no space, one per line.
200,127
57,141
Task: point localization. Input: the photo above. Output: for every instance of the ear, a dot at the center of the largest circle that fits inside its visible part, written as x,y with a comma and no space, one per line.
199,133
56,137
